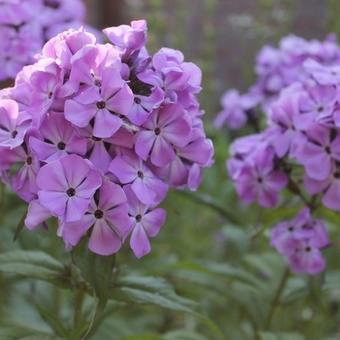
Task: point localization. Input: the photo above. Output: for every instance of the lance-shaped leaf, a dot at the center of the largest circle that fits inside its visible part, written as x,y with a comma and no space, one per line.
35,265
151,291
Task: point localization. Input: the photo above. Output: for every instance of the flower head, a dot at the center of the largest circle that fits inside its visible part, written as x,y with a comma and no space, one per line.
301,241
94,135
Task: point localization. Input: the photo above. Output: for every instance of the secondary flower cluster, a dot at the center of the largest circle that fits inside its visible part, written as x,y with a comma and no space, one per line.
298,150
300,240
95,134
25,25
276,68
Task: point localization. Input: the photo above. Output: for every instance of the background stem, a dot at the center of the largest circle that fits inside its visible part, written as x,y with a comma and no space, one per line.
277,297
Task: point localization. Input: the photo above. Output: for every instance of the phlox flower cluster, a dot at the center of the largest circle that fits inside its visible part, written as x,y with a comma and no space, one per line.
298,150
25,25
276,68
301,240
95,135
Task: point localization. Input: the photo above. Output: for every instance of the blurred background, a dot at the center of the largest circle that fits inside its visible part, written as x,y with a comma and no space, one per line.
222,36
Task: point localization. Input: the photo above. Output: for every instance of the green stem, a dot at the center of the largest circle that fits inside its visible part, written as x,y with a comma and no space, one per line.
294,188
208,201
96,319
78,307
56,301
277,297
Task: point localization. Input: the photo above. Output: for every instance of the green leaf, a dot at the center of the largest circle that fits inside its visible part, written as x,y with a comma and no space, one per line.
33,264
233,273
280,336
12,331
50,318
151,290
144,337
183,335
96,270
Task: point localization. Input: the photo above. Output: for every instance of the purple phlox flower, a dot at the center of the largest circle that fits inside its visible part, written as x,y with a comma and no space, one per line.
56,11
329,187
235,109
36,215
172,74
18,47
144,105
336,115
66,187
185,169
241,149
101,151
190,102
268,63
44,84
282,130
20,168
307,259
259,180
286,235
106,97
57,139
320,148
323,74
107,218
13,126
130,169
26,25
66,44
295,46
128,38
146,223
316,104
167,128
14,12
301,240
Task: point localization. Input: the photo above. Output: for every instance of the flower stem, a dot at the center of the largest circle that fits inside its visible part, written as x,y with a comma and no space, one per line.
277,297
78,307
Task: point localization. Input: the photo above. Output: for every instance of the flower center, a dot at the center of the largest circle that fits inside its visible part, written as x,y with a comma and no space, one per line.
61,146
50,95
98,83
327,149
290,228
137,100
101,105
29,160
320,108
140,174
14,133
52,3
138,218
308,249
98,214
259,179
71,192
157,131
